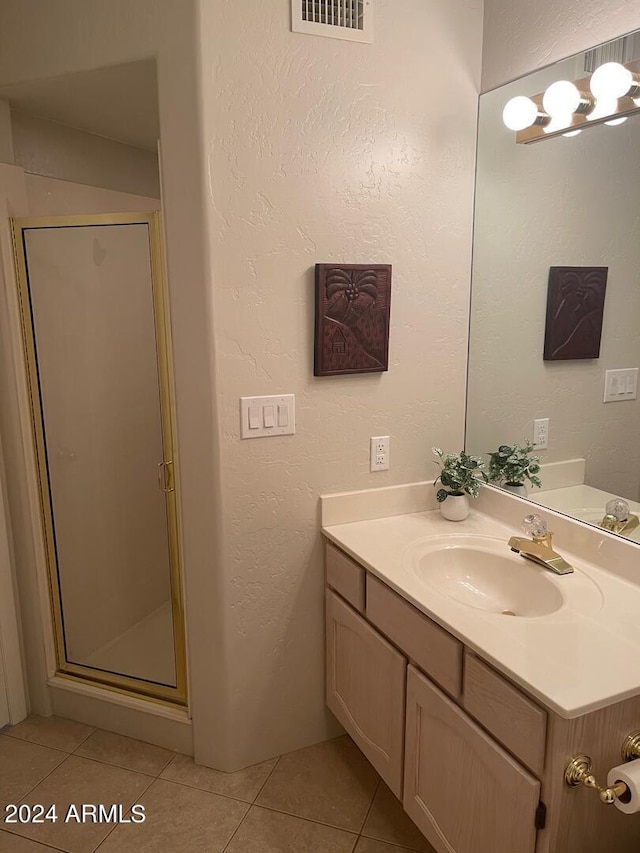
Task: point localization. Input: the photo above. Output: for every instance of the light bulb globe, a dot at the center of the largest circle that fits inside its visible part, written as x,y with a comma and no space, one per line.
603,107
611,81
560,121
561,98
519,113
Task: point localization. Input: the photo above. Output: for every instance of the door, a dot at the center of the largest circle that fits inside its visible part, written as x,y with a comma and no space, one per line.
464,792
366,679
96,337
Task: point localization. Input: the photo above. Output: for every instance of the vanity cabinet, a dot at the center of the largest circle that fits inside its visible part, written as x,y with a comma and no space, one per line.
477,763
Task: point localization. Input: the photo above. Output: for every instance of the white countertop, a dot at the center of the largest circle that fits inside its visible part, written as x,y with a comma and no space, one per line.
582,657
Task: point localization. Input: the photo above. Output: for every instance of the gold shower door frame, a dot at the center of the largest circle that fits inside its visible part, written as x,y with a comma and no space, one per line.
120,683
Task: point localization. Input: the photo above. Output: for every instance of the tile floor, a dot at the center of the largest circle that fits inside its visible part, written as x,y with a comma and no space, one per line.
323,799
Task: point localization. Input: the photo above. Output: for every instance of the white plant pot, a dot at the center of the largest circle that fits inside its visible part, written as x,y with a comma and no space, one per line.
516,489
455,507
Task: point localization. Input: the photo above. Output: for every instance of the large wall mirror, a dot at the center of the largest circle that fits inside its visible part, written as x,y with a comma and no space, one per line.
563,201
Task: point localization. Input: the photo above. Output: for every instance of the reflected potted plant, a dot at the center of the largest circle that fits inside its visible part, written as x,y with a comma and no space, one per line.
461,477
511,465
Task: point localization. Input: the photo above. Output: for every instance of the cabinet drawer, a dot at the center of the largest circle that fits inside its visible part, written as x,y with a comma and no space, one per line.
502,709
345,576
433,649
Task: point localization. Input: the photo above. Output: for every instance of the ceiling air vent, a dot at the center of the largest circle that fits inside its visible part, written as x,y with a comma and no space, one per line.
338,19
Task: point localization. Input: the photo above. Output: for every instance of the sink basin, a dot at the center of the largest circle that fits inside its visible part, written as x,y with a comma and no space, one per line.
482,573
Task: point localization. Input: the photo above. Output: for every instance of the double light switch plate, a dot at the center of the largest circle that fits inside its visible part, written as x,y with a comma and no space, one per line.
264,416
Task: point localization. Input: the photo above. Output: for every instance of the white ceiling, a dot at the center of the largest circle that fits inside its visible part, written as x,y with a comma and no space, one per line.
119,102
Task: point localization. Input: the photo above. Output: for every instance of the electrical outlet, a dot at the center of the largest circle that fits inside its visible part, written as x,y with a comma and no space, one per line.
541,433
379,453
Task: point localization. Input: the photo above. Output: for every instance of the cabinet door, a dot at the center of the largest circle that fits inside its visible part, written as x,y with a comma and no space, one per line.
366,679
464,792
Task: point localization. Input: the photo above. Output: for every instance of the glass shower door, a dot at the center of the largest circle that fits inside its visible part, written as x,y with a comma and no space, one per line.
96,339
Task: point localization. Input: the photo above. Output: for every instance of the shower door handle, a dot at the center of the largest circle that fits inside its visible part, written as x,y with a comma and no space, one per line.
165,477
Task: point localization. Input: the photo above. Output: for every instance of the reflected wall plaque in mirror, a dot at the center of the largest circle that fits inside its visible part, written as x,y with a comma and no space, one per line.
558,202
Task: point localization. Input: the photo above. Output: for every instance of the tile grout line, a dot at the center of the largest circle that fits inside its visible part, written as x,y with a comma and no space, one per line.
7,732
237,829
206,790
84,740
120,766
170,761
307,819
269,775
40,781
46,846
137,800
373,799
173,752
251,804
36,743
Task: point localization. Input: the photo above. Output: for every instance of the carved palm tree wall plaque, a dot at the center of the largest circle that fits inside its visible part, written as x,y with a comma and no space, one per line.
353,303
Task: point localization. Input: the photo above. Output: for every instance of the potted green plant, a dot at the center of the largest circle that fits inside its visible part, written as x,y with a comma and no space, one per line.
511,465
461,476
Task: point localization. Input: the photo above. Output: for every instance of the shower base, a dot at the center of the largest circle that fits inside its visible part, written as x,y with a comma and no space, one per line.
144,651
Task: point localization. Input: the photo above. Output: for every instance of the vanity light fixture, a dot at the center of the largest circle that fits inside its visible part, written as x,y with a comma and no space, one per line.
609,96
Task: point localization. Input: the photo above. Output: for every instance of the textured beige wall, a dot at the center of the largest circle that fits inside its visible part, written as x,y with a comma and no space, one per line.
321,150
58,151
520,35
563,202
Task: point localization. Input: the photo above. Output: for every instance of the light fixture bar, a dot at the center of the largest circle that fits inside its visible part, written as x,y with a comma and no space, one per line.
625,107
